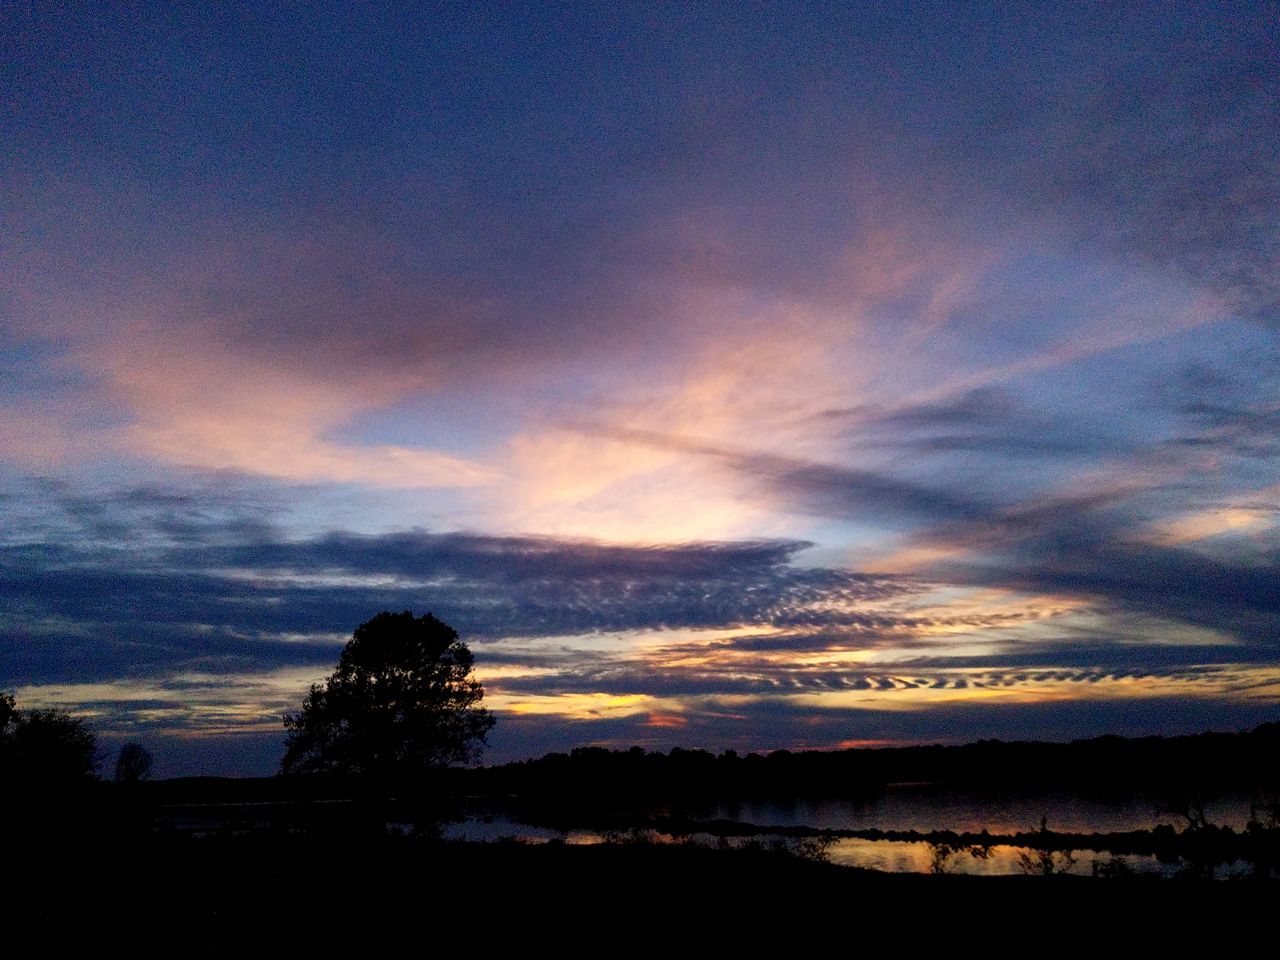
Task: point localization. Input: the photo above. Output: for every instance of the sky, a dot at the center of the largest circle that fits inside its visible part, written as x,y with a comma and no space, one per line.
746,375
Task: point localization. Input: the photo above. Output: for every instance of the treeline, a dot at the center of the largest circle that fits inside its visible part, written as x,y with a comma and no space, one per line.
1207,762
1204,764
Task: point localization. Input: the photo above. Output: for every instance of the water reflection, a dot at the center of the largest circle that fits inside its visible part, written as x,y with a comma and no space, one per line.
890,856
925,808
919,809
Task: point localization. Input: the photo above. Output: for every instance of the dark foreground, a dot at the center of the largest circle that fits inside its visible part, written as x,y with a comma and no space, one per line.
306,867
261,894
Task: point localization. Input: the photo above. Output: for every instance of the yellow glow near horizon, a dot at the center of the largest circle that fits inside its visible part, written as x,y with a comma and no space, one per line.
575,706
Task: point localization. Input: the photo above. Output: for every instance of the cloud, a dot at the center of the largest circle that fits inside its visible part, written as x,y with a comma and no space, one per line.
1092,544
779,724
167,610
1184,171
149,590
1078,542
986,420
1227,409
1237,597
824,488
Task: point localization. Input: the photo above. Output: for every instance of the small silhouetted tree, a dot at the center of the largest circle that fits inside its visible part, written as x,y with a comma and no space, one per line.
402,703
134,763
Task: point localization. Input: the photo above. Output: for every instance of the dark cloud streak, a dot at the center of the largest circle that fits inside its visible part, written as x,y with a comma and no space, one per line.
136,604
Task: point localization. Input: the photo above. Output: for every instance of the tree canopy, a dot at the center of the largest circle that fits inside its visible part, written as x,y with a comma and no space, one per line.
401,703
133,763
40,748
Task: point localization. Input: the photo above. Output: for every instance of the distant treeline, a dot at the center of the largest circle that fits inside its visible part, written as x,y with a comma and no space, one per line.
1201,764
1206,762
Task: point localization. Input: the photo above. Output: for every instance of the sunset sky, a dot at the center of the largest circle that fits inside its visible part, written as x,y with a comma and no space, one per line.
729,375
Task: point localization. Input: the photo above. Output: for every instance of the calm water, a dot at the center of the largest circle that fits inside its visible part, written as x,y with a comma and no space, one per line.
924,808
927,808
887,855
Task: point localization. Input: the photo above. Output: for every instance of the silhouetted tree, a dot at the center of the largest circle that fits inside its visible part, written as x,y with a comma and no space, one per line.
401,703
44,747
134,763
